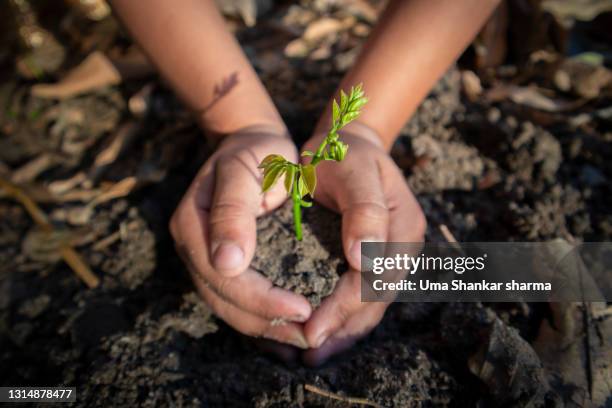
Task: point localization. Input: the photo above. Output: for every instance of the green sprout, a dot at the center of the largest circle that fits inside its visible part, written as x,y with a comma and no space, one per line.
301,179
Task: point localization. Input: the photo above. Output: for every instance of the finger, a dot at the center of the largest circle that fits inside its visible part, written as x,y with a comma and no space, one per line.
234,208
249,291
358,326
335,310
365,217
250,324
408,221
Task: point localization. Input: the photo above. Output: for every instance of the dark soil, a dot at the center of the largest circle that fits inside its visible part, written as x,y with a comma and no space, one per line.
489,169
310,267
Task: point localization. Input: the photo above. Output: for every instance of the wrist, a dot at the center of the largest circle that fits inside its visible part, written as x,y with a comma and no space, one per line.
251,129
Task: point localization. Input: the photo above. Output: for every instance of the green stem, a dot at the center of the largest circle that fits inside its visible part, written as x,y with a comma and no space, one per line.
319,153
297,211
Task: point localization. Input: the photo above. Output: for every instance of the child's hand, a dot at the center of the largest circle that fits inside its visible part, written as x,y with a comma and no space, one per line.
370,192
215,232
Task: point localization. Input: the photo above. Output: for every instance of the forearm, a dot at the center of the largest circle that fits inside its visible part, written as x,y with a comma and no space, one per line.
412,46
191,47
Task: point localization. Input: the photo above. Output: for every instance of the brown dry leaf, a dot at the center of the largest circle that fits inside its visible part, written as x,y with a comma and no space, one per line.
93,9
569,343
363,10
29,171
140,103
322,27
471,85
531,97
297,48
584,10
63,186
82,215
118,144
117,190
510,368
247,10
583,380
584,80
95,72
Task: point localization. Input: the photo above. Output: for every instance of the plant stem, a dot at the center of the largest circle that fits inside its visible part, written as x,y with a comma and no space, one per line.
319,154
297,211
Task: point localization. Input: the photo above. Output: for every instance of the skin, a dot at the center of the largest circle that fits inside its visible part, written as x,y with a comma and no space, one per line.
214,226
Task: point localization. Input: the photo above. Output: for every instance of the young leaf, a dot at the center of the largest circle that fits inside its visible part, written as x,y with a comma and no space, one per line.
269,159
307,153
306,204
302,190
289,178
310,178
343,101
335,111
271,175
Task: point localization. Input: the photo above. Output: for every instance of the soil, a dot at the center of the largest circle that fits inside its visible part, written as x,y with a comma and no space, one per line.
489,169
310,267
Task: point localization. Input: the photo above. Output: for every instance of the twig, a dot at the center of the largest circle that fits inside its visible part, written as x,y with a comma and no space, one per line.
70,256
602,313
450,238
337,397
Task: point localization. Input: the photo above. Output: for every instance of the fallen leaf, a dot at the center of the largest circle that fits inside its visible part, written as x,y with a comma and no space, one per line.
531,97
95,72
583,10
470,84
29,171
297,48
322,28
247,10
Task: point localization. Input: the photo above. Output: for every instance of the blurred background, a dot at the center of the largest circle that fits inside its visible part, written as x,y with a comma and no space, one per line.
514,143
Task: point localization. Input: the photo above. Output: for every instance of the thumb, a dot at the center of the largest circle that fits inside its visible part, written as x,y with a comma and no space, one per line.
365,216
232,219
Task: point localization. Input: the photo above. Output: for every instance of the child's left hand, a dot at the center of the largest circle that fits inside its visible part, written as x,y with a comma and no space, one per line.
370,192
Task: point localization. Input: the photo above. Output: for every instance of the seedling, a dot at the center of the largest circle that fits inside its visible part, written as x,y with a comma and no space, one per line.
301,179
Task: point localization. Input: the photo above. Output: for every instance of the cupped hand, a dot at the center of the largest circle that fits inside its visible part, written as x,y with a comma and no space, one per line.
214,228
371,194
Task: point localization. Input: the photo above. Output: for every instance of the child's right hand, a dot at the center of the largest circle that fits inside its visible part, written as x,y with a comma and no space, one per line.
214,228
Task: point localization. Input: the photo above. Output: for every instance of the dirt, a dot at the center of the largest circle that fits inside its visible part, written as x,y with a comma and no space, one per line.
489,170
310,267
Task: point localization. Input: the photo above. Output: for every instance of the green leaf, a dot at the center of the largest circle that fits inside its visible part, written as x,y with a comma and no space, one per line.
269,159
310,178
306,204
358,103
271,175
289,178
307,153
349,117
343,101
335,111
342,149
302,190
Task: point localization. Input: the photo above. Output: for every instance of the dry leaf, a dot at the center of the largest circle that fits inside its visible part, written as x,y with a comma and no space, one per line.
322,28
583,10
29,171
470,84
95,72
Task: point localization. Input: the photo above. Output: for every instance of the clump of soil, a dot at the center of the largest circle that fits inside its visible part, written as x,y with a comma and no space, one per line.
310,267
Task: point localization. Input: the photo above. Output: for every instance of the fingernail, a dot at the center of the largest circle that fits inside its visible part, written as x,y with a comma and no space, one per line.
298,319
355,251
300,341
228,256
321,339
